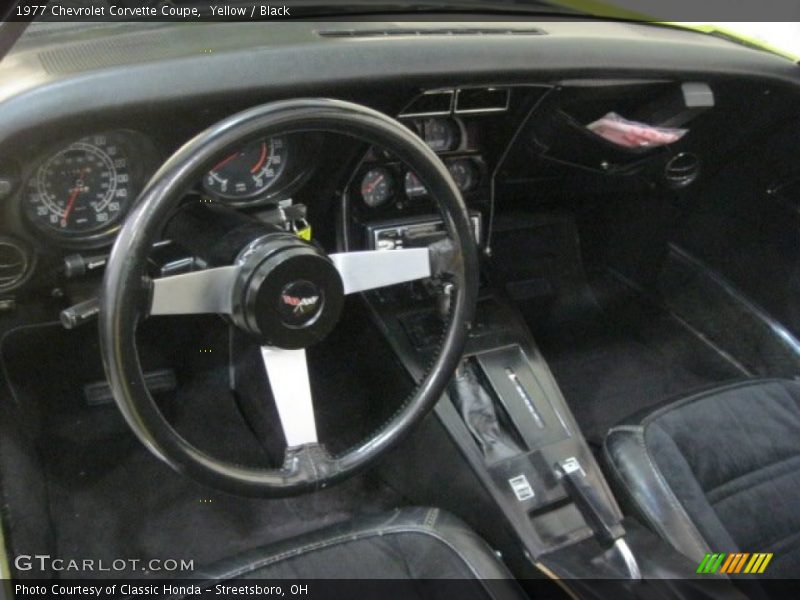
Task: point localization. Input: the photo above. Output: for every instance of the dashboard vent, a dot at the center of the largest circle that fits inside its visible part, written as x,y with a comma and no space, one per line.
460,101
482,100
15,263
429,104
436,31
682,169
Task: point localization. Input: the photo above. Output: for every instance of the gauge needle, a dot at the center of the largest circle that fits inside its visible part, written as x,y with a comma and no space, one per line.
225,161
261,159
368,189
73,196
70,205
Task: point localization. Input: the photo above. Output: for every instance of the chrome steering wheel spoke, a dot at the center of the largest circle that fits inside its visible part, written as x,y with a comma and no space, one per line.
199,292
372,269
287,371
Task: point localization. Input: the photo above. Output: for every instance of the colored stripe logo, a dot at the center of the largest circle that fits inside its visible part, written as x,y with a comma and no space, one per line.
734,563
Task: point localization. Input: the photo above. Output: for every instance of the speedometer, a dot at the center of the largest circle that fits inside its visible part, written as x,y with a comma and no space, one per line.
80,190
248,173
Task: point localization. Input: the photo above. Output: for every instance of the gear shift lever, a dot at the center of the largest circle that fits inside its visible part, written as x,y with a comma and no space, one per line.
478,411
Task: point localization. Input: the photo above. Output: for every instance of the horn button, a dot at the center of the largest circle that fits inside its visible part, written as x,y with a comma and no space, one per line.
288,293
300,303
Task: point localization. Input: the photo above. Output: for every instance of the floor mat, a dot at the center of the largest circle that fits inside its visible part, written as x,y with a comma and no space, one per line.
110,498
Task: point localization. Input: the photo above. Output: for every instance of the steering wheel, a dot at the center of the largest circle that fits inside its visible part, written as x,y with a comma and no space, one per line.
284,293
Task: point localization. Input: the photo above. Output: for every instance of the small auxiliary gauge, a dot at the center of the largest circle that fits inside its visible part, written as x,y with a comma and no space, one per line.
441,135
464,173
377,187
413,186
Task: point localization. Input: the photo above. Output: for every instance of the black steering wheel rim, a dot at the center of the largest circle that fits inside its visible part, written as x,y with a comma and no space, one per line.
125,294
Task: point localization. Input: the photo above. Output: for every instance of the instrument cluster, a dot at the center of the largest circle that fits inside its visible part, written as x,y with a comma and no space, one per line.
383,182
71,197
78,193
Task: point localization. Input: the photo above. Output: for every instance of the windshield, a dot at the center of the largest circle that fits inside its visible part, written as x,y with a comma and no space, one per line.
783,37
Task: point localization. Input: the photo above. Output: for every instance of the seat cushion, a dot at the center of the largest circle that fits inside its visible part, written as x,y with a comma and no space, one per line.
718,471
407,544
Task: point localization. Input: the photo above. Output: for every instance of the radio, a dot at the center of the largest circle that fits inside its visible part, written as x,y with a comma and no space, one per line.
414,232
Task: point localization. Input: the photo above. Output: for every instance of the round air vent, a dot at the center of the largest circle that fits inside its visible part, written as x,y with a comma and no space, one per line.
16,263
682,169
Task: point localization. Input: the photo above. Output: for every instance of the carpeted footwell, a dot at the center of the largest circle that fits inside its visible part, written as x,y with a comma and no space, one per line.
107,497
617,360
613,351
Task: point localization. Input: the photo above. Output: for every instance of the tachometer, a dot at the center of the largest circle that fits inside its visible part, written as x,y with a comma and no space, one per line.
81,190
248,173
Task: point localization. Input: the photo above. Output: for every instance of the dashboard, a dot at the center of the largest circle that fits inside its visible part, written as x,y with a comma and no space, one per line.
64,202
80,138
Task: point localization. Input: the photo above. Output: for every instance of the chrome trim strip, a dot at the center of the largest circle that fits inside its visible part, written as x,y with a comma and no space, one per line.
628,558
5,567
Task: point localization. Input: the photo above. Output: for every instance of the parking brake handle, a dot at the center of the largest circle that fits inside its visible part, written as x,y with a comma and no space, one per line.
598,514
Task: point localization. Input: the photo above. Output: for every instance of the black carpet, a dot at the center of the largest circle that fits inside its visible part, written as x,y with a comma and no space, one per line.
108,497
613,352
623,357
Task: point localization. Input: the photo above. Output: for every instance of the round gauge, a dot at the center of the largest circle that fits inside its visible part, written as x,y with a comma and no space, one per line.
377,187
248,173
464,173
83,189
413,186
441,135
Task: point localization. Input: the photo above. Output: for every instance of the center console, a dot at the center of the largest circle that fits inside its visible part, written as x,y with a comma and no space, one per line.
506,415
